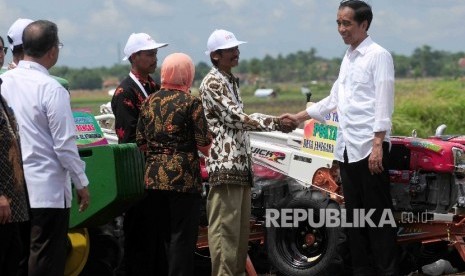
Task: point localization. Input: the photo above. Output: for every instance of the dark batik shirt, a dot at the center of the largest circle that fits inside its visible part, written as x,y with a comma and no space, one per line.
171,125
126,103
12,183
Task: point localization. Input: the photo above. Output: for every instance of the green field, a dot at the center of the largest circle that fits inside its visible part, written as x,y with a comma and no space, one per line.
420,104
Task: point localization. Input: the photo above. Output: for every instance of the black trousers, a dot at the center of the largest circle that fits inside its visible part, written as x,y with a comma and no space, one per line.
25,233
177,222
373,249
136,249
10,248
49,233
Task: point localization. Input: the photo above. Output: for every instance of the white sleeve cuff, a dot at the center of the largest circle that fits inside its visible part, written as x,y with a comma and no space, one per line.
382,125
314,112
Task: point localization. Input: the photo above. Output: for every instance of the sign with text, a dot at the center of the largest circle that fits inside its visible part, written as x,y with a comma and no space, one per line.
320,138
88,132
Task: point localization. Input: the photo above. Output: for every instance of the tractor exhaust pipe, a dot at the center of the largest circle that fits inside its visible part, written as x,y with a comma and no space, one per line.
440,130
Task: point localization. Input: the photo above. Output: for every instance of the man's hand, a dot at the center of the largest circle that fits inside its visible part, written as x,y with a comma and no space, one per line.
375,161
288,122
289,116
5,210
11,65
298,118
83,199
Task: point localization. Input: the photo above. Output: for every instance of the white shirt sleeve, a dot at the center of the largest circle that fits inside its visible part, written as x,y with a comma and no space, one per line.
319,110
383,76
63,130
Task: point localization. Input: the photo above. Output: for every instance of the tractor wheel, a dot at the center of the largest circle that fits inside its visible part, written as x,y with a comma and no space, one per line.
305,250
78,251
105,254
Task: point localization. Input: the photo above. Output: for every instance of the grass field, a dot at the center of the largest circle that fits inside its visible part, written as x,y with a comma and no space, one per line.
420,104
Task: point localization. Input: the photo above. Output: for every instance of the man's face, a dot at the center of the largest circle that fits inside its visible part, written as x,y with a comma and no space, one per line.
228,58
145,62
351,32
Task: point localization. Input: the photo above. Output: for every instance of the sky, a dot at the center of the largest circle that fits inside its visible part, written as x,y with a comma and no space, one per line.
94,32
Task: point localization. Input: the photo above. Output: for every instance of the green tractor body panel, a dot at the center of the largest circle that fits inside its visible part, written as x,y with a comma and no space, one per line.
116,181
115,173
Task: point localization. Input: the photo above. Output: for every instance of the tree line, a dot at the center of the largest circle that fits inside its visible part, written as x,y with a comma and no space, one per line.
302,66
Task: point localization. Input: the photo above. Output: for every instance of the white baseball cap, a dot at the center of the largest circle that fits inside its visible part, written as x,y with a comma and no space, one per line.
15,33
140,42
221,39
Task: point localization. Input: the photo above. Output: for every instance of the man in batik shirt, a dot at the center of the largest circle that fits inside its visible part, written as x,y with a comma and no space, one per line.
14,202
141,51
229,164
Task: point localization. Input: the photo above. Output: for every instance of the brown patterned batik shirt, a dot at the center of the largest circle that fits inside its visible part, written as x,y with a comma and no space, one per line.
171,125
229,161
12,183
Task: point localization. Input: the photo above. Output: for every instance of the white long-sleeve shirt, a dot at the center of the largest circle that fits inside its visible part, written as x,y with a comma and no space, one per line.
363,95
47,130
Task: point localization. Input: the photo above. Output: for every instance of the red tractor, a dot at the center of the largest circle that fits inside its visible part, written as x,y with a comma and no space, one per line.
296,171
427,187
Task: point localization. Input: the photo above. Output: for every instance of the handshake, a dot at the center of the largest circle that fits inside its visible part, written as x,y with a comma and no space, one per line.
288,122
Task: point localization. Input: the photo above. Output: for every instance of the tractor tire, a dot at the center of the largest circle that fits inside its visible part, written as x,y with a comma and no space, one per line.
105,254
288,248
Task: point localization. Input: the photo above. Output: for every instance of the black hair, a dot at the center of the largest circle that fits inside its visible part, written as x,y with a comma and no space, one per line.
130,57
215,62
362,11
18,50
39,37
3,42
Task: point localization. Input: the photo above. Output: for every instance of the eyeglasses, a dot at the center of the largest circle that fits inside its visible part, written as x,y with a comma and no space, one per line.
60,45
5,50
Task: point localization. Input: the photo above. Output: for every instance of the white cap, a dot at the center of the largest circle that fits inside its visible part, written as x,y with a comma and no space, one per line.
221,39
15,33
140,42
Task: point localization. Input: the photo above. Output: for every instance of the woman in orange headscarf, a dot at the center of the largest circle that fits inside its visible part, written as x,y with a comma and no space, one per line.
171,130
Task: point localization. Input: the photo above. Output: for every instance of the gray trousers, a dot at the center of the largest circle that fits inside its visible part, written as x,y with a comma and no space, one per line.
228,211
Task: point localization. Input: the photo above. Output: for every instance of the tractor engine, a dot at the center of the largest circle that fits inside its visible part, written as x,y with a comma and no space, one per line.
426,175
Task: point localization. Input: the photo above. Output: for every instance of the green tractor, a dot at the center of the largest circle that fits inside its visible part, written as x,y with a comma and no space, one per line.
116,174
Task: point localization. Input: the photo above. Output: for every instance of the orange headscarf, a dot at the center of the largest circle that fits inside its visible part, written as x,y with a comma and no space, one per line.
177,72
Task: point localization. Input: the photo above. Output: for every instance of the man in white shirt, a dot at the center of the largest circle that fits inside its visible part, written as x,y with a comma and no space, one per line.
363,96
50,156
